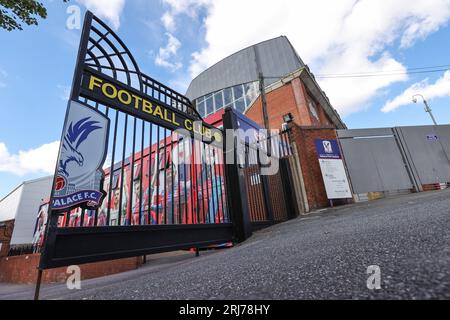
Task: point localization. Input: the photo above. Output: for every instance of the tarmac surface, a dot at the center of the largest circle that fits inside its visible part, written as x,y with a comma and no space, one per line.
321,256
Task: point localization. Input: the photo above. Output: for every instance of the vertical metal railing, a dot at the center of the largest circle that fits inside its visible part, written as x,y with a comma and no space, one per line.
147,187
263,199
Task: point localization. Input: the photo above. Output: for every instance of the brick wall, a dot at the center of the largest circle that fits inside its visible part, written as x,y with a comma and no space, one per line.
6,230
290,98
23,269
293,98
304,138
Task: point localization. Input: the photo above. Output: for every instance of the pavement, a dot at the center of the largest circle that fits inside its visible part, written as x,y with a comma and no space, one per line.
321,256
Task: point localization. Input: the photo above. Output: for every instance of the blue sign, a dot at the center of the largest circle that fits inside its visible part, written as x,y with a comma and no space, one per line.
79,179
251,130
327,149
90,197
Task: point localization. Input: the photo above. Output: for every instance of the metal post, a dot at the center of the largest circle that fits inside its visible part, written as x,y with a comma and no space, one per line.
235,182
288,189
263,100
52,218
428,109
38,285
264,112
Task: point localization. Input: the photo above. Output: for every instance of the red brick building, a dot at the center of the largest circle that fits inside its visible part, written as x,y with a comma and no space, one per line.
300,95
290,89
313,117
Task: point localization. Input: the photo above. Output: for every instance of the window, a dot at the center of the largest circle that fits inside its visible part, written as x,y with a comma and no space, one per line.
218,101
238,92
239,97
313,110
240,105
209,105
228,96
201,108
250,93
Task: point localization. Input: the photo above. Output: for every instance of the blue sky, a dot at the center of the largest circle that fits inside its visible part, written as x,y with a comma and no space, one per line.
173,40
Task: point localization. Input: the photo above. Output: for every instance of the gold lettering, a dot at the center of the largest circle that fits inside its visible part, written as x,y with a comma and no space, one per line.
137,99
208,133
198,128
158,112
95,82
105,91
147,106
166,116
120,95
188,124
174,120
218,136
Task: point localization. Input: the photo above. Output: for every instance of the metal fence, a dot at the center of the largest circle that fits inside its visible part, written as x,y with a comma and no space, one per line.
265,199
165,190
266,195
396,160
18,250
144,184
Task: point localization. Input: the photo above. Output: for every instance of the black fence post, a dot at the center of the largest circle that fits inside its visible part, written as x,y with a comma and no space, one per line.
235,182
287,176
288,189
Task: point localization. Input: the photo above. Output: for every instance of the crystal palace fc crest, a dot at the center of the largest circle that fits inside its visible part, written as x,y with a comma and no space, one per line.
83,150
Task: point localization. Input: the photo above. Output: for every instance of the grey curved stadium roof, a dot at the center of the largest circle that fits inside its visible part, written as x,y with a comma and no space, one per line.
274,58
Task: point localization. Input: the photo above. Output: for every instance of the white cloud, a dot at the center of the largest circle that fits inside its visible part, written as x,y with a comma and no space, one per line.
168,21
107,9
174,9
177,7
169,51
352,94
441,88
331,36
424,18
39,160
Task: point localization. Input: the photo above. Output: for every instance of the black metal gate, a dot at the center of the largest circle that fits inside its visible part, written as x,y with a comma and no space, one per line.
165,190
161,193
260,199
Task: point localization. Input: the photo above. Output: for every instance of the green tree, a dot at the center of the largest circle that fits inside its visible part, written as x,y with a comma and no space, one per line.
15,12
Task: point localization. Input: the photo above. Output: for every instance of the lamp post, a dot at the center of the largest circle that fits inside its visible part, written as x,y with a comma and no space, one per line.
427,107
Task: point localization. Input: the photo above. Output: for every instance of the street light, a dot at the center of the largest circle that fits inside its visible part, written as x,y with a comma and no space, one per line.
427,107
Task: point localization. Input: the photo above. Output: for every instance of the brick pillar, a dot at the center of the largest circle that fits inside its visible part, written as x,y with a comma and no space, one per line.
304,116
304,138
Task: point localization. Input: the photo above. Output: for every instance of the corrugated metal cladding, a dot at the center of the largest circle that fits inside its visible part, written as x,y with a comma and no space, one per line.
277,58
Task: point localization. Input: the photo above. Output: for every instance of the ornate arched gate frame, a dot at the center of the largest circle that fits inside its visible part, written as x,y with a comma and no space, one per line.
190,203
104,58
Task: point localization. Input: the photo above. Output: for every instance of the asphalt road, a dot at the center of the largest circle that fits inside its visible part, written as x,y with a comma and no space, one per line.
323,256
